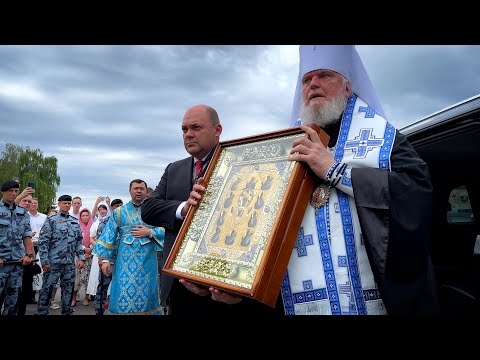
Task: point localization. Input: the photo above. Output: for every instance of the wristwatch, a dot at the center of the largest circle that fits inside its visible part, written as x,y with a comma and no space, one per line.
30,256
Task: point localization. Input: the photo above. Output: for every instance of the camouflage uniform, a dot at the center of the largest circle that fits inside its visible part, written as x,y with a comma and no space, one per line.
14,226
60,240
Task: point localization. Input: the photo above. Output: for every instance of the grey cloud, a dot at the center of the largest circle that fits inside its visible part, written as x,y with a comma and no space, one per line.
113,113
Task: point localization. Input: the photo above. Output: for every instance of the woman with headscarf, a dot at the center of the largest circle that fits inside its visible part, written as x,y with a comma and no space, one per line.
101,211
81,280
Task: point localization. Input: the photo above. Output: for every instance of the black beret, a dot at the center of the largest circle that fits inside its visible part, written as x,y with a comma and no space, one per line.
10,184
65,198
116,202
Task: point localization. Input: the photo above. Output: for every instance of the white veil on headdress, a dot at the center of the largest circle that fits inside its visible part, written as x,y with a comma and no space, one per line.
342,59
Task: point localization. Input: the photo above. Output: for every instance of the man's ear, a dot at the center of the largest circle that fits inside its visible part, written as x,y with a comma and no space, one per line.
348,88
218,130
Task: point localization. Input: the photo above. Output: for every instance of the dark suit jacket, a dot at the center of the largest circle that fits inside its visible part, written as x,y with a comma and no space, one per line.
159,210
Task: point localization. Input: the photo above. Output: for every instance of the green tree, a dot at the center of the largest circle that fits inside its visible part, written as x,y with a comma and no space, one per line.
9,162
31,165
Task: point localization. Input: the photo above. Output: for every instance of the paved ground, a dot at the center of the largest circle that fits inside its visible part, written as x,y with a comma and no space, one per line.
80,309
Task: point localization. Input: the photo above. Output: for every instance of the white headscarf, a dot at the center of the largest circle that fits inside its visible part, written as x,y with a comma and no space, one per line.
342,59
99,216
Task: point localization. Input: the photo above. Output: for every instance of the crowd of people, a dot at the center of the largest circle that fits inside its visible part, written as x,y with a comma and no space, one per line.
60,245
367,224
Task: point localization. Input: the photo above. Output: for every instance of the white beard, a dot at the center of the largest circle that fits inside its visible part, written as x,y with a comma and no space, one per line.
327,114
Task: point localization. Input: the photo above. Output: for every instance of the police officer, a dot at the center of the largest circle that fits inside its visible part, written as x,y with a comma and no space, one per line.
60,240
16,248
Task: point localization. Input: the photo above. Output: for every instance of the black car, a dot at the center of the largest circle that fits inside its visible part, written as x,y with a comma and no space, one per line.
449,142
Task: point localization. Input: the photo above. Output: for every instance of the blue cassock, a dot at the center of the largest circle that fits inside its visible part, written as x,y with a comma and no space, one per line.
135,284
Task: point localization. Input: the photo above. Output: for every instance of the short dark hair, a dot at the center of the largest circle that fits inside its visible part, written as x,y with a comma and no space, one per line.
138,181
116,202
102,206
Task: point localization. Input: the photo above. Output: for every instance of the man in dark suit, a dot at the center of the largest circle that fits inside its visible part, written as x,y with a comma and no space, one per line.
168,206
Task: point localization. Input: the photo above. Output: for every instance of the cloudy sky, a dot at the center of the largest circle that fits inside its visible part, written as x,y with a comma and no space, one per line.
110,114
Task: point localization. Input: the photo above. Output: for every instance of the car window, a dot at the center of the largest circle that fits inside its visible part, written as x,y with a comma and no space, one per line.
460,207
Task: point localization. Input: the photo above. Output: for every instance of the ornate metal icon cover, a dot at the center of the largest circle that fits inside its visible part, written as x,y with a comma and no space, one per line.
229,231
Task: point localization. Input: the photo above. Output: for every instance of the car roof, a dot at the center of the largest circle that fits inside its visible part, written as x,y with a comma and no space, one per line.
449,141
453,113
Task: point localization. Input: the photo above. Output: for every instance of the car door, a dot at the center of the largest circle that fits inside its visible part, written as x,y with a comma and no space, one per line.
449,142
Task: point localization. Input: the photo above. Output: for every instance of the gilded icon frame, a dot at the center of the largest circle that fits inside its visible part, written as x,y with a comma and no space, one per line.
240,236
